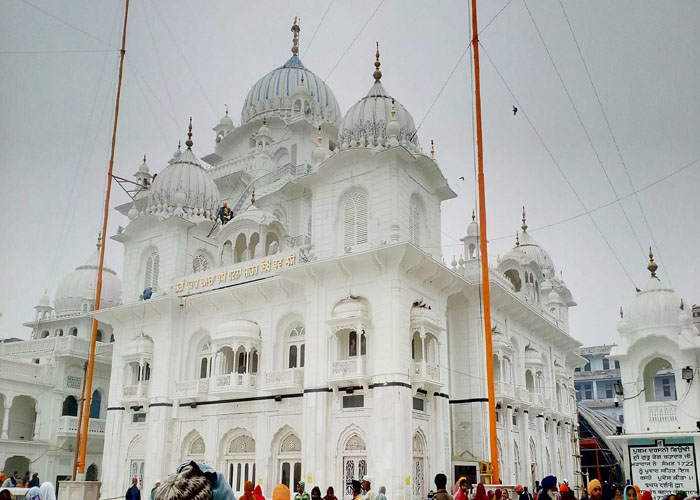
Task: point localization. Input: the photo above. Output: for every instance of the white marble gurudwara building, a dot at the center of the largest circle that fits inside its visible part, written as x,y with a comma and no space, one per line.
319,335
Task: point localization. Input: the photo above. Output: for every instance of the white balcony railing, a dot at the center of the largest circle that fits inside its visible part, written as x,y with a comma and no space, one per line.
62,346
348,368
233,382
26,372
192,388
525,395
504,389
662,416
140,390
423,370
292,378
69,425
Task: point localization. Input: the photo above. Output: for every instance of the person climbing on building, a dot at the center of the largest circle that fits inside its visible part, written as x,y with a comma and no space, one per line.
148,293
225,214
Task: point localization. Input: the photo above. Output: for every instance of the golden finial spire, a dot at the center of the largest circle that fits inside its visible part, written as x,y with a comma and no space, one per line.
652,267
682,304
377,74
252,198
226,106
99,240
473,215
524,226
295,39
622,314
517,239
432,148
393,109
144,158
179,145
320,138
189,142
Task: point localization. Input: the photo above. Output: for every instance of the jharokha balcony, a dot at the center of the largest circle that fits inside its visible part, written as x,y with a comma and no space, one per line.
233,383
291,379
426,376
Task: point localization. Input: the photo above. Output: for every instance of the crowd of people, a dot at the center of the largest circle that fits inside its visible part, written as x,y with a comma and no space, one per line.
37,490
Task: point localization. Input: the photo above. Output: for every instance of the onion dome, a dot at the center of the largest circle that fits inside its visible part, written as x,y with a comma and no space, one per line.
184,188
473,227
528,251
139,346
271,94
255,215
224,127
350,307
75,293
44,301
319,152
241,329
656,305
370,120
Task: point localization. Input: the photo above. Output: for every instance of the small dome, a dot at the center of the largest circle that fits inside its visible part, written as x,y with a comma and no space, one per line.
655,306
532,357
473,227
369,117
78,288
133,213
226,121
239,329
186,183
350,308
44,301
271,95
143,168
256,216
527,251
139,345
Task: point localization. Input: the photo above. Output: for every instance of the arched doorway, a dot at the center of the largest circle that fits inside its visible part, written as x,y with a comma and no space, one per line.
16,463
91,473
240,462
22,419
419,466
354,463
289,460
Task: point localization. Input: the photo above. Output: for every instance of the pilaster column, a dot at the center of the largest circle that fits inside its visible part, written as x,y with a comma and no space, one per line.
6,420
527,458
37,423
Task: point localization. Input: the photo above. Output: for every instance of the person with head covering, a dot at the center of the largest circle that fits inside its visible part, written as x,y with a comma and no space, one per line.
647,495
257,493
248,491
498,494
639,492
490,494
356,490
520,491
680,495
153,490
315,493
32,494
301,492
133,493
549,488
480,492
281,492
6,495
631,493
47,491
441,484
34,481
382,493
187,484
595,490
330,494
463,488
367,486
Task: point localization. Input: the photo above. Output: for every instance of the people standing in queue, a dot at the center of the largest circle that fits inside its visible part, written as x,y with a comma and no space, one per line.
330,494
367,486
301,493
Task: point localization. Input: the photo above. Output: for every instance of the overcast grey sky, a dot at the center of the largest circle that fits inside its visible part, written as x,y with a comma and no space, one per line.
189,59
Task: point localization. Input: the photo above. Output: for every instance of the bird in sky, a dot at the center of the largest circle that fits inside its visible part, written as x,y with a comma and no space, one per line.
515,111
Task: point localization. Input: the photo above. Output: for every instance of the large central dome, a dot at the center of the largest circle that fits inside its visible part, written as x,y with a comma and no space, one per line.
272,94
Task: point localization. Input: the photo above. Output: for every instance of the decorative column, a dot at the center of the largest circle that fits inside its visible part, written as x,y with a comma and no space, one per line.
37,422
6,419
526,452
507,444
360,363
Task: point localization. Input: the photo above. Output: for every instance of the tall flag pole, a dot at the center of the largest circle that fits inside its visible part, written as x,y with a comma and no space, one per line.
98,290
484,255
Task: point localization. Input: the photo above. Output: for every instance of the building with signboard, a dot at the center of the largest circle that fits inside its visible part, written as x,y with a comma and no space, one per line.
662,414
41,380
316,333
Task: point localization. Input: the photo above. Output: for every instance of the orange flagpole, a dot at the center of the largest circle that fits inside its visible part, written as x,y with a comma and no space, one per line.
484,255
98,290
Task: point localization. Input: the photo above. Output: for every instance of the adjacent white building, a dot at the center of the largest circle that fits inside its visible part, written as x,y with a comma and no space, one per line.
41,380
661,413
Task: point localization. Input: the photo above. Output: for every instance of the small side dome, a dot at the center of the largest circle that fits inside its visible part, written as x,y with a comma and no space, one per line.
528,251
238,329
140,345
184,183
532,357
351,307
366,122
473,227
44,301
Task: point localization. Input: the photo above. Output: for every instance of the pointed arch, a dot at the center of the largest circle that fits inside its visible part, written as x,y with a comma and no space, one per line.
286,454
193,446
419,464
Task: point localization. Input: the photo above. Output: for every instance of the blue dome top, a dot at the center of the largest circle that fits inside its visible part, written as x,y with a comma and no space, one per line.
271,95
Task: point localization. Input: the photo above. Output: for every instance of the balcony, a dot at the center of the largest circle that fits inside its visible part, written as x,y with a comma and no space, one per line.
662,417
504,390
26,372
136,392
525,395
191,389
60,346
291,379
69,425
425,376
233,383
348,371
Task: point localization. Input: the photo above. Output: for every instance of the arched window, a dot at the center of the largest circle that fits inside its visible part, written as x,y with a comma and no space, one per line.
111,338
59,332
99,335
227,253
95,404
73,331
659,381
355,220
296,347
152,271
45,334
414,222
239,252
254,361
514,278
200,263
145,372
352,343
204,361
70,407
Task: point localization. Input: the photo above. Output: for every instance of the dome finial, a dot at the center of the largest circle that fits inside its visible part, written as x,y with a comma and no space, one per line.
252,197
517,239
622,314
295,39
524,226
393,109
432,149
226,106
179,145
652,267
320,138
473,215
99,240
189,142
377,74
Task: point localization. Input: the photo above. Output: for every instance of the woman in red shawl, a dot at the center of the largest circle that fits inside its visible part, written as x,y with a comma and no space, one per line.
480,492
248,491
257,493
498,494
